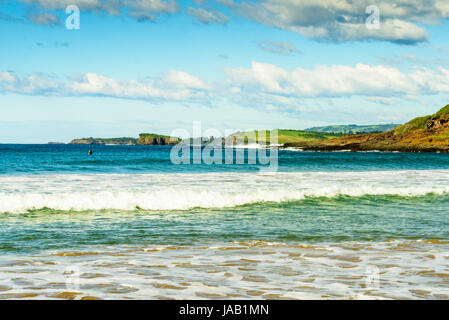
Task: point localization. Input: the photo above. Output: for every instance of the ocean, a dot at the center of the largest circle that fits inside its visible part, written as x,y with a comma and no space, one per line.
127,223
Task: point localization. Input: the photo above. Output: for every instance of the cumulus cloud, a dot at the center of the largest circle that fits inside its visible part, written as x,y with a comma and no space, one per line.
206,17
344,20
181,79
279,47
262,84
337,81
45,18
157,6
62,4
401,21
36,83
141,10
173,86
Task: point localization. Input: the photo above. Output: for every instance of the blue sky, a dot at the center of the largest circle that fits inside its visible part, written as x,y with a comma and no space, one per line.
155,66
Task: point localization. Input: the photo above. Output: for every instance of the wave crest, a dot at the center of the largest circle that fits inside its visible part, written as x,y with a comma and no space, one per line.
184,192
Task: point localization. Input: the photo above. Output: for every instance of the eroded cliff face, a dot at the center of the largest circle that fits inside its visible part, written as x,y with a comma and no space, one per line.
154,139
144,139
440,123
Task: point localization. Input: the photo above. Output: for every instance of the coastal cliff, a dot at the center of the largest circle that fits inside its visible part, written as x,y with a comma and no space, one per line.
156,139
422,134
105,141
144,139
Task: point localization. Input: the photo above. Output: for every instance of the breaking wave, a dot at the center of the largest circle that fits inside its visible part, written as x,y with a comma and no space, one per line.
215,190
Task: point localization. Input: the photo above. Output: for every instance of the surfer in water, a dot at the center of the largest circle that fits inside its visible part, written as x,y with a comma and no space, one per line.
90,152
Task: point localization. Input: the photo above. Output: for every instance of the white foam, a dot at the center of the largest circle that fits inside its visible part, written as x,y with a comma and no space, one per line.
347,270
212,190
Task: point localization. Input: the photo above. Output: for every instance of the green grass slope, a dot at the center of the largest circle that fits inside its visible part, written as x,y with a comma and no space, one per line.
284,136
354,129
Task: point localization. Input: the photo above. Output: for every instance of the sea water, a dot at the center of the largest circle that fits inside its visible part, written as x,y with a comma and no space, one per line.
125,222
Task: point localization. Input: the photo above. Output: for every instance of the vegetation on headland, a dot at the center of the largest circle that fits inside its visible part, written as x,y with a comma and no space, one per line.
354,129
422,134
144,139
111,141
262,137
157,139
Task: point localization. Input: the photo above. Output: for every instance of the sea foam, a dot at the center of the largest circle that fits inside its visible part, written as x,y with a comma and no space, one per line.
212,190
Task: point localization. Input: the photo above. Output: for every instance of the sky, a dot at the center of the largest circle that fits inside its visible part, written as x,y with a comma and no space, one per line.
138,66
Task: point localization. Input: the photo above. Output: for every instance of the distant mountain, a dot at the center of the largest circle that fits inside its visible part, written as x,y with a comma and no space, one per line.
354,129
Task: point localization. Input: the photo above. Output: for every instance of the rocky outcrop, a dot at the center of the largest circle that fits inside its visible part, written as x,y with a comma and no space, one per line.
155,139
104,141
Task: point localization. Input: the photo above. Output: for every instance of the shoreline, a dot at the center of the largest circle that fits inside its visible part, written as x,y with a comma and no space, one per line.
362,149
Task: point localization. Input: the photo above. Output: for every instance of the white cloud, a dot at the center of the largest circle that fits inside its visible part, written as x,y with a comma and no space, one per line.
181,79
7,77
324,20
207,17
141,10
258,86
337,81
344,20
279,47
33,84
159,6
174,86
44,18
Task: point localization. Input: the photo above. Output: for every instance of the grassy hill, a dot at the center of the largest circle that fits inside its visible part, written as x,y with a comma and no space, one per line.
354,129
422,134
284,136
144,139
114,141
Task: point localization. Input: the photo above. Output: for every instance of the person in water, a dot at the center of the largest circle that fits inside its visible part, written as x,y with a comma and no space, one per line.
90,152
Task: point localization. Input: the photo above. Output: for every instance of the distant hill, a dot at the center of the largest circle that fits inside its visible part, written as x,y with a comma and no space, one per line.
109,141
422,134
354,129
284,136
144,139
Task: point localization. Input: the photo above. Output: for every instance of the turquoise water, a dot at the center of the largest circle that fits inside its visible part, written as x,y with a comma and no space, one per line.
309,221
58,205
71,159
